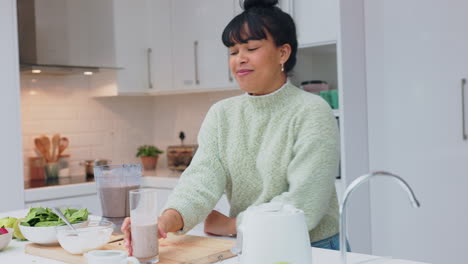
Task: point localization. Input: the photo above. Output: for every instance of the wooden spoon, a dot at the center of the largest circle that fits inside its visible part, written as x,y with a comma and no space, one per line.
63,145
45,141
55,147
39,146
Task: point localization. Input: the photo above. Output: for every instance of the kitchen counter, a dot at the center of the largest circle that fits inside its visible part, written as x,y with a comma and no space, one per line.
14,253
80,186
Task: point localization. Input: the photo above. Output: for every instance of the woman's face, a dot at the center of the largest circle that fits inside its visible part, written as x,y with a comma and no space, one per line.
256,65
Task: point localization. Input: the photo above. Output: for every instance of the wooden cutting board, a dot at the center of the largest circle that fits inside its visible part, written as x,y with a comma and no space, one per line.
174,249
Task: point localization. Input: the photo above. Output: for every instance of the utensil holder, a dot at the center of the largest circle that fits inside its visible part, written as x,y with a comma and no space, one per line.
52,170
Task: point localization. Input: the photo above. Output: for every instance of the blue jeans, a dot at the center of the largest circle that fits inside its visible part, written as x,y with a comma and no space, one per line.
332,242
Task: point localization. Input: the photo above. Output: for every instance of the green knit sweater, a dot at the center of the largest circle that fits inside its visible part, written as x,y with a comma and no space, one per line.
279,147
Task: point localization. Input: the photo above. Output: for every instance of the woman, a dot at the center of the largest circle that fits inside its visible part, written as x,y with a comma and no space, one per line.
275,143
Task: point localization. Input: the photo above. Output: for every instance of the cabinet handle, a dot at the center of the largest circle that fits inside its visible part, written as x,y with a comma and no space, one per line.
148,54
229,68
463,84
195,55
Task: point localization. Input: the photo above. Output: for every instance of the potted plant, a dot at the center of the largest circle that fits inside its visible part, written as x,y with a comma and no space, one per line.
149,156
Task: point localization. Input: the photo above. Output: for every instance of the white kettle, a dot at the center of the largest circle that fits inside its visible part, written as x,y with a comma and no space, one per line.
273,233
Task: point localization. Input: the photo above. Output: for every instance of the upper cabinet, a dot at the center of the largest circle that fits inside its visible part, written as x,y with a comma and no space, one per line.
200,60
317,21
142,47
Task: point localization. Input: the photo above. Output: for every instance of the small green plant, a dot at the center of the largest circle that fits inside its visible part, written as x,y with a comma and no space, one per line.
148,151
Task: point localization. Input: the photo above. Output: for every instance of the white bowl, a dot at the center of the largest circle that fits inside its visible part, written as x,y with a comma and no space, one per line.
6,238
44,235
93,236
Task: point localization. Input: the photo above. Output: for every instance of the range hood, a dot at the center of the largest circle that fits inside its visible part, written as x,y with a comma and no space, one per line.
61,37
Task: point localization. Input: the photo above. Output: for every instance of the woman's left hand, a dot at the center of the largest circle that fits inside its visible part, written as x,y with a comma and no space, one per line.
218,224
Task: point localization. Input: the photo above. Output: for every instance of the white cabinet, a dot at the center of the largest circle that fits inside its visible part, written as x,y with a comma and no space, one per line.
417,57
132,33
142,47
200,60
91,202
317,21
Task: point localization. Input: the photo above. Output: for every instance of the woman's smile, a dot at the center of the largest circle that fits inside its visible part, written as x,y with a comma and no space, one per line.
243,72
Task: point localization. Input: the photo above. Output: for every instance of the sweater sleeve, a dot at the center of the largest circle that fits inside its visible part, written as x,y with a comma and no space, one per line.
203,182
314,164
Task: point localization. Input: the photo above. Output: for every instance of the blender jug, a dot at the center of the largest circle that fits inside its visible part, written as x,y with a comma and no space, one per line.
113,184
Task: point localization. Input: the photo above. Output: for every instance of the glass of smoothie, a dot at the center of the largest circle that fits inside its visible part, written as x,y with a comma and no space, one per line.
144,226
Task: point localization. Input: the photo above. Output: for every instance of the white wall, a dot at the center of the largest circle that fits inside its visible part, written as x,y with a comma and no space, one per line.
175,113
110,128
353,122
106,127
11,182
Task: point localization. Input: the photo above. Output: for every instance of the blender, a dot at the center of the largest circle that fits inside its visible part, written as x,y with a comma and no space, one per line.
113,184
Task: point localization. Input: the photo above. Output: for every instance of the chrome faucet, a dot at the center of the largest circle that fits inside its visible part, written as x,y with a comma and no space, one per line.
357,182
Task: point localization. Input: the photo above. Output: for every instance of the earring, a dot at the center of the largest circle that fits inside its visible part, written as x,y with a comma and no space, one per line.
282,67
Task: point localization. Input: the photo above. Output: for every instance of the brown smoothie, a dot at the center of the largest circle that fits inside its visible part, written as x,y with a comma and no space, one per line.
114,200
145,241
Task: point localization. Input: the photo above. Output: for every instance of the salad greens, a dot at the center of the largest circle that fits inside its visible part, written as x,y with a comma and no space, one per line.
40,216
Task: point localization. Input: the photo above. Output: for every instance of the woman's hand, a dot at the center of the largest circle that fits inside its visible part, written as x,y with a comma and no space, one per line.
218,224
126,229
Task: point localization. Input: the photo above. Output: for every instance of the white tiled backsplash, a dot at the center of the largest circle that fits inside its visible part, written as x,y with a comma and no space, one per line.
111,127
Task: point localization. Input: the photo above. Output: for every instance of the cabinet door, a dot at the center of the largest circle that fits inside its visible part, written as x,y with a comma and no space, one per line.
184,31
200,59
316,20
213,56
416,57
131,28
160,58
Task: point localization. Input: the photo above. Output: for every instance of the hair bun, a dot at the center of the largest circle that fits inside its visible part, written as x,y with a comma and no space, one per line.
259,3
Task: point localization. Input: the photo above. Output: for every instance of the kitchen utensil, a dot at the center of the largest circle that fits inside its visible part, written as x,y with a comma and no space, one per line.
273,233
144,214
113,184
45,141
40,147
64,142
109,257
83,239
64,219
6,238
175,249
55,147
45,235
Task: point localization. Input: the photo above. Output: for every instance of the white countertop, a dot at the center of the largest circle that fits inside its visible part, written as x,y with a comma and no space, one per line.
164,179
14,253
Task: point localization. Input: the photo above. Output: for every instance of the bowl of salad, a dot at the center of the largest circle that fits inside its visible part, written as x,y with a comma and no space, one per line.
39,225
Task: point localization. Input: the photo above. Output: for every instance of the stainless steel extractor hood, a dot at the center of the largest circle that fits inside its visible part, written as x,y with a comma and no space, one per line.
58,37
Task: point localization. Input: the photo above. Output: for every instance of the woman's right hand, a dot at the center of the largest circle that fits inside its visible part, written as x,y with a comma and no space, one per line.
126,229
